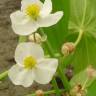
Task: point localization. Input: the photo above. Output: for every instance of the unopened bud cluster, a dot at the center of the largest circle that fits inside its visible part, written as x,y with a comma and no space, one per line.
77,91
39,93
37,38
91,72
67,48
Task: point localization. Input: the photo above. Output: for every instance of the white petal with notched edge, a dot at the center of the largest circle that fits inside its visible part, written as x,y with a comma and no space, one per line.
20,76
28,49
46,9
21,24
18,17
45,70
50,20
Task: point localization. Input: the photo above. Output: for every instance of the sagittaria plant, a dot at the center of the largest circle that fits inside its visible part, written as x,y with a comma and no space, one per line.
43,54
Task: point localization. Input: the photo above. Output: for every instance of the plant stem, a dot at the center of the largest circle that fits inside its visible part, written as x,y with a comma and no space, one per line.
56,87
48,92
47,44
57,55
61,73
64,79
50,50
85,83
79,37
22,39
3,75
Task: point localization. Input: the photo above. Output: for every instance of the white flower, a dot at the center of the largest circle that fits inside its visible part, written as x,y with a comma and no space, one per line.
34,14
31,65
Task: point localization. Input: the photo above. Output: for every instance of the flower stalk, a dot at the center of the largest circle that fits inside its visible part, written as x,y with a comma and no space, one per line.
47,44
22,39
3,75
54,83
79,37
85,83
64,79
51,52
48,92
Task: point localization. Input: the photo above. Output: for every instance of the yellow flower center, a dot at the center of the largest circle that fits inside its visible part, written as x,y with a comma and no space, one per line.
33,11
29,62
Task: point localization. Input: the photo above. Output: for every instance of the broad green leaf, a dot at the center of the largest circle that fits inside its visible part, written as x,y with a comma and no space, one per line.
57,32
83,17
91,91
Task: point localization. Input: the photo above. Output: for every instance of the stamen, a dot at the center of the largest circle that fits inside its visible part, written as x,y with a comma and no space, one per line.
29,62
33,11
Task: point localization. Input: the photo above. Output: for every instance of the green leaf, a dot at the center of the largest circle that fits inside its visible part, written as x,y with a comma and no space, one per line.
57,32
83,17
91,91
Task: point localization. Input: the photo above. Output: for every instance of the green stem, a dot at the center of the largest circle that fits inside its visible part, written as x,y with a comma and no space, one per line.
64,79
61,73
47,44
48,92
79,37
57,55
85,83
56,87
3,75
50,50
22,39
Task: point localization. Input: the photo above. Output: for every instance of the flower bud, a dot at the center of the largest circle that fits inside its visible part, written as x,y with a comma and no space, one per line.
77,91
91,72
39,93
35,38
68,48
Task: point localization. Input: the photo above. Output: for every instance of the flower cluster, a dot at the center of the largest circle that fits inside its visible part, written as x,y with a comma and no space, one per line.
31,65
34,14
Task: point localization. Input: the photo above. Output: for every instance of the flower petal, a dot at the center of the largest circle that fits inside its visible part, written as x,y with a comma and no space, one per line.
21,24
50,20
19,76
45,70
18,17
25,3
28,49
46,9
